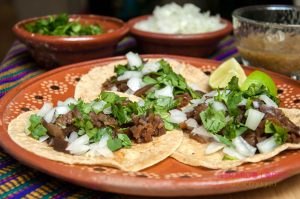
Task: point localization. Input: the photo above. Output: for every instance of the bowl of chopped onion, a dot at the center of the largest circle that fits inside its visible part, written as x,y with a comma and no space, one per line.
173,29
57,40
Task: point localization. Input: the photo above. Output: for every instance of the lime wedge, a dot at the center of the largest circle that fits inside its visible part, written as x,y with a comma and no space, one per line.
262,78
223,74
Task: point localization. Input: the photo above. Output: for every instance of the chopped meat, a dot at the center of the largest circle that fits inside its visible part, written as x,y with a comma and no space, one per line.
145,127
143,90
55,130
253,137
196,112
100,120
121,85
184,99
197,138
59,144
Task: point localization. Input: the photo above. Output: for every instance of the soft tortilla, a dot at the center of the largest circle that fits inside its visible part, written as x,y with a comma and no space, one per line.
138,157
90,84
192,152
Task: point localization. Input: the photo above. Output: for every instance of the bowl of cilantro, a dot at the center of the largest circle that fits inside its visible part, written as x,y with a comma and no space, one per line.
62,39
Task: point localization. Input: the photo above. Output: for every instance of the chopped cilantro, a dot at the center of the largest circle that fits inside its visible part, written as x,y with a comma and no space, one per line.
125,140
227,157
233,130
280,133
233,99
114,144
224,140
213,121
149,80
36,128
121,69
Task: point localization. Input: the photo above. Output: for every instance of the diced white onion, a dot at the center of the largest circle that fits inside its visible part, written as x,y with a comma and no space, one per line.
61,110
129,92
49,117
114,88
254,118
150,67
187,109
98,106
243,102
243,147
219,106
177,116
133,59
202,132
255,104
211,94
80,149
191,123
79,146
141,102
233,153
101,148
130,74
69,101
73,136
166,92
60,103
196,102
135,83
214,147
45,109
268,101
43,138
267,145
210,101
107,110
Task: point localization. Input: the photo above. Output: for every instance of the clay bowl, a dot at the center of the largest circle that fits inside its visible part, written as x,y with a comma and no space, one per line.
53,51
195,45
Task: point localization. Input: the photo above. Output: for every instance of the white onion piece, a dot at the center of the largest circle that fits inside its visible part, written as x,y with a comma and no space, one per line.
243,147
166,92
150,67
45,109
267,145
219,106
243,102
80,149
107,110
177,116
191,123
114,88
253,119
268,101
135,83
202,132
60,103
129,91
69,101
43,138
194,86
233,153
61,110
73,136
196,102
209,100
214,147
133,59
187,109
79,146
49,117
98,106
141,102
255,104
129,74
101,148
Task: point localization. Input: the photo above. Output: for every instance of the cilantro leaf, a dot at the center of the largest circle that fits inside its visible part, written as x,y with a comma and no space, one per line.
224,140
280,133
233,99
120,69
114,144
233,84
213,120
125,140
36,128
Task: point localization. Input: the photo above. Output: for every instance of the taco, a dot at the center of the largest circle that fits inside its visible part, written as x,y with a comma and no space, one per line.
110,130
145,78
226,128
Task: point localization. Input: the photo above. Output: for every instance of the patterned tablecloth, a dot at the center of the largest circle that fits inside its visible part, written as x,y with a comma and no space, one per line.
17,180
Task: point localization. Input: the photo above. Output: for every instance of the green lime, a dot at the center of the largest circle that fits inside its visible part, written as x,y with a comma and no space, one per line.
223,74
262,78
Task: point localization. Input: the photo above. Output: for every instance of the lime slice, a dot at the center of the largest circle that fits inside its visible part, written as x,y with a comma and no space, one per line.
262,78
223,74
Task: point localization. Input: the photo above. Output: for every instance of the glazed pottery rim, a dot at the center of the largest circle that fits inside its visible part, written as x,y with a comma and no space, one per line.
239,11
197,36
137,185
122,30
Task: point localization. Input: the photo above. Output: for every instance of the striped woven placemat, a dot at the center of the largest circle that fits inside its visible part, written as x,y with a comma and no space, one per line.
17,180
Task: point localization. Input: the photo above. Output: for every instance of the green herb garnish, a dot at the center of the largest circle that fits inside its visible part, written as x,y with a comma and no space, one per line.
280,133
36,128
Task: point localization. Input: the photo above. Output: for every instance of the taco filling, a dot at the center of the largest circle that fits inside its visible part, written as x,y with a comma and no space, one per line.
240,123
109,122
149,79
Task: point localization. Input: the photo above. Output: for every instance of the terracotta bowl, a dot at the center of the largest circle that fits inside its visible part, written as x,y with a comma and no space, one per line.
195,45
53,51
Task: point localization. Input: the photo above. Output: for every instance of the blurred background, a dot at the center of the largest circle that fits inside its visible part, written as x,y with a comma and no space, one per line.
12,11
